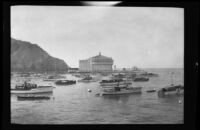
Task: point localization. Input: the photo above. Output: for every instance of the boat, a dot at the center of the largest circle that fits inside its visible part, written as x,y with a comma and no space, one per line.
32,97
113,87
113,82
31,88
140,79
150,91
121,90
65,82
171,89
119,75
87,79
149,74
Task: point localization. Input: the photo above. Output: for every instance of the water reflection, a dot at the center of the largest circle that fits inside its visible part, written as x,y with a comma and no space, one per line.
160,95
121,98
173,98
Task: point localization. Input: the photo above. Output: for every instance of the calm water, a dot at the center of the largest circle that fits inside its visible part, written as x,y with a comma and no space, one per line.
73,104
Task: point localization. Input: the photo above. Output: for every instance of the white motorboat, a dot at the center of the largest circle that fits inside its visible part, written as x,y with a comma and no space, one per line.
31,88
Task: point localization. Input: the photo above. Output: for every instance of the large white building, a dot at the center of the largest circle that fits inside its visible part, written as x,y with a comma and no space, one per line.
97,63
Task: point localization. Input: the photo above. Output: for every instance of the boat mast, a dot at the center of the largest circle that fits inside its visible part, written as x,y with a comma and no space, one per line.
172,82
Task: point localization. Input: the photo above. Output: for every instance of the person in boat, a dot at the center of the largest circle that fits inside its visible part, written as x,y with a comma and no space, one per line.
27,86
24,85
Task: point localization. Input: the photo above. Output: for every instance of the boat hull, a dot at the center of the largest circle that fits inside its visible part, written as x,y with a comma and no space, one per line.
34,90
87,81
114,84
33,97
141,80
124,91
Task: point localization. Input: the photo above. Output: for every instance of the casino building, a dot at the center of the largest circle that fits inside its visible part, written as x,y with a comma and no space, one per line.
97,63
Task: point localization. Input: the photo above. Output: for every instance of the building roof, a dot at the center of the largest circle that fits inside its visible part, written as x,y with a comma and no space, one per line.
100,57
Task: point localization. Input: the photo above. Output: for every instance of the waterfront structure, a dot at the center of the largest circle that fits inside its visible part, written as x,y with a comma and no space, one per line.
97,63
73,70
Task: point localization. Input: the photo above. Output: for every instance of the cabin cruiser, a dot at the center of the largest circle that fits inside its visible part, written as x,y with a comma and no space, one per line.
125,89
113,87
31,88
171,89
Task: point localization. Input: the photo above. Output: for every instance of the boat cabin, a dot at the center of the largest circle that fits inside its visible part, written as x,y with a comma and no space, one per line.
172,88
25,86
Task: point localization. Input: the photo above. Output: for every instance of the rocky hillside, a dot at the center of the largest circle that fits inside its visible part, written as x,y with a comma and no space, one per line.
26,56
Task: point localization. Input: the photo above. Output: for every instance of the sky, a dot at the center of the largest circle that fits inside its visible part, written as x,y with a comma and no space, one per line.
146,37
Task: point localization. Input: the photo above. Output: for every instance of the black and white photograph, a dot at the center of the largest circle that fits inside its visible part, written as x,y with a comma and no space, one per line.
96,64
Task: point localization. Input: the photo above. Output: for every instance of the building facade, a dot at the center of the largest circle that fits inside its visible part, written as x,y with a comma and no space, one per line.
97,63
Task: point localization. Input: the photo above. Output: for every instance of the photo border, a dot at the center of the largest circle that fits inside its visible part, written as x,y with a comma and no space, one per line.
191,40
